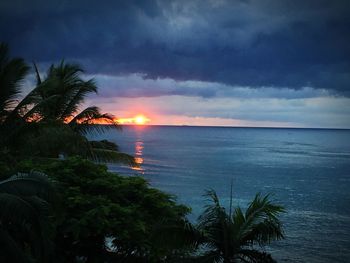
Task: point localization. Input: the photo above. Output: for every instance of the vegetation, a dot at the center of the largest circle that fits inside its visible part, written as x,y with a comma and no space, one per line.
231,237
24,224
56,205
96,205
47,121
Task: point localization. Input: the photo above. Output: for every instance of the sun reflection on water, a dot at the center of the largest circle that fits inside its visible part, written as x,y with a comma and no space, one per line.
138,155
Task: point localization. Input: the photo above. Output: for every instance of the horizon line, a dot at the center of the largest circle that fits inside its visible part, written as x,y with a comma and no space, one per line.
222,126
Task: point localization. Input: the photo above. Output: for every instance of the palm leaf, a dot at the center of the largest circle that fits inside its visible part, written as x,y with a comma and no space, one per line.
232,237
24,214
38,112
87,121
29,102
52,139
105,155
73,104
12,72
261,223
28,184
38,78
17,210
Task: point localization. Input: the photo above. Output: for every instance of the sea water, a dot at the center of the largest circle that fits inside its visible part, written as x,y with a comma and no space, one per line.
306,170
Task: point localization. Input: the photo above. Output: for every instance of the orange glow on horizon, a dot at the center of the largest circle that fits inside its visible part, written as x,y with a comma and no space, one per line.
138,120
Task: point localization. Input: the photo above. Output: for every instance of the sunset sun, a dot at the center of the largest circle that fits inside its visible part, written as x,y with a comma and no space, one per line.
140,120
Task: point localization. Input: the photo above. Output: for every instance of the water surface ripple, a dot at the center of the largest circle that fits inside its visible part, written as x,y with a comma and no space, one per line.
306,170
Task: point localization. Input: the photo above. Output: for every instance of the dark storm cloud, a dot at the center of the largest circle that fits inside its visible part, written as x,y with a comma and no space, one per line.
282,44
134,86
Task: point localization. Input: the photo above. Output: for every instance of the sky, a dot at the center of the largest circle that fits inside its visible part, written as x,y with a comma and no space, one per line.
266,63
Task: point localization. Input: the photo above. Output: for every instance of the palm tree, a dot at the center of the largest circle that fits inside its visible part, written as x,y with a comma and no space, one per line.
233,237
55,103
47,122
59,95
24,220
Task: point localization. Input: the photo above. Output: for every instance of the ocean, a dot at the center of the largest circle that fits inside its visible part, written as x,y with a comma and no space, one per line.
306,170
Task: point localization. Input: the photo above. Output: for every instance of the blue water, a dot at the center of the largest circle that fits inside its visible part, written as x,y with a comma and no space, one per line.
306,170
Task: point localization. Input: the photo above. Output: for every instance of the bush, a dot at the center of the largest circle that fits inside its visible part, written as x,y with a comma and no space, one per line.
96,205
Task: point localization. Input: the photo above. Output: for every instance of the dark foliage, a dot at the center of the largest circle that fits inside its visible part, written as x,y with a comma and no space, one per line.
103,215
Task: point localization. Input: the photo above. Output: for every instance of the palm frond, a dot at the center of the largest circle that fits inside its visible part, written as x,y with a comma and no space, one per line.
213,212
12,72
51,139
17,210
105,155
104,144
89,121
88,115
63,83
38,111
216,226
75,101
233,236
71,88
38,78
28,102
106,151
28,184
24,213
261,221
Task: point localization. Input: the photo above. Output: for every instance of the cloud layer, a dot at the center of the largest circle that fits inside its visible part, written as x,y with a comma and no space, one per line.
280,44
135,85
205,62
308,112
